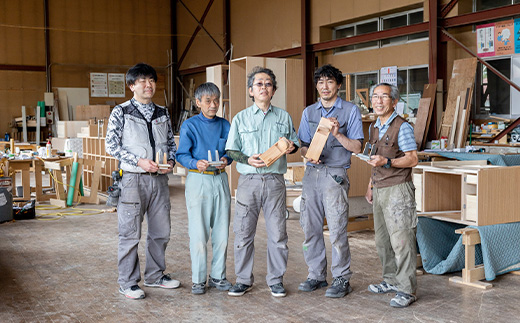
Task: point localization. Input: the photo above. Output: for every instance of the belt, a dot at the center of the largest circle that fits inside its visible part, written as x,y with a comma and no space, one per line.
212,172
146,173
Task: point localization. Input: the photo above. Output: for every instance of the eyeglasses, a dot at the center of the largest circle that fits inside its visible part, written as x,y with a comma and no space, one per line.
382,97
266,84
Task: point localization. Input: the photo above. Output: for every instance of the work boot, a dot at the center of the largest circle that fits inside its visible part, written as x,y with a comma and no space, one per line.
339,288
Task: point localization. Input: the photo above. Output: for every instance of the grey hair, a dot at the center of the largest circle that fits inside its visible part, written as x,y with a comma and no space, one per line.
209,89
394,90
257,70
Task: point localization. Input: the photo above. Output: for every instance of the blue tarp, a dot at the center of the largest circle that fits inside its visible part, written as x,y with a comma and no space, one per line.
442,250
499,160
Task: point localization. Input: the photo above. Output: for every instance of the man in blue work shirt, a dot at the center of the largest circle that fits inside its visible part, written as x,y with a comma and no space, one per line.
326,184
392,195
253,131
207,189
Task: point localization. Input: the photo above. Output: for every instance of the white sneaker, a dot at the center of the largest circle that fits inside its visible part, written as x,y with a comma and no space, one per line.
133,292
164,282
382,288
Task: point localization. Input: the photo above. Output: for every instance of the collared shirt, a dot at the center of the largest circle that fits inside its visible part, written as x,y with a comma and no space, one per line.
198,136
354,129
253,132
116,123
406,137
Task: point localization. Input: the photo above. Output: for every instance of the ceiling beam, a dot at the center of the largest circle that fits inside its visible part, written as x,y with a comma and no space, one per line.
480,17
25,68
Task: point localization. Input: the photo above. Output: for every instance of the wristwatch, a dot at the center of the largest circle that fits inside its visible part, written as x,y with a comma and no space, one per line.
388,163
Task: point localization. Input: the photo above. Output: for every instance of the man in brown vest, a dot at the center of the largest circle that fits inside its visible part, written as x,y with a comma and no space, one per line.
392,195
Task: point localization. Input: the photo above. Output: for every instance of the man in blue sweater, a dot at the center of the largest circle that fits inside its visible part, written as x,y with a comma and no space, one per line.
207,190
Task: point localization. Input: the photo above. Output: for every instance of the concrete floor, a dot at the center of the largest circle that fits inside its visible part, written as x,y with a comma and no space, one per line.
65,270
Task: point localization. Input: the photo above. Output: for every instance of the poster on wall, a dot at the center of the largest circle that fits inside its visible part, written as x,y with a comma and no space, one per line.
116,85
98,85
504,37
485,40
517,36
389,75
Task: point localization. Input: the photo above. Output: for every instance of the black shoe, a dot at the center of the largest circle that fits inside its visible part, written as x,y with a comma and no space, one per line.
312,284
220,284
198,289
277,290
339,288
239,289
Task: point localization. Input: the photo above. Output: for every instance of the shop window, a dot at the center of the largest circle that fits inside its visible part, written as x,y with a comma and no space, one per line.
361,81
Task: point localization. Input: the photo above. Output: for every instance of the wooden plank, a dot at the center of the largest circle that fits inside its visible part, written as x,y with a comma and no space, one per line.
421,126
467,106
429,91
462,77
319,139
442,192
453,129
275,151
363,95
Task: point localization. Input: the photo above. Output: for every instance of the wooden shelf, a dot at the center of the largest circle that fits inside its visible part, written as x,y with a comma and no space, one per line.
94,149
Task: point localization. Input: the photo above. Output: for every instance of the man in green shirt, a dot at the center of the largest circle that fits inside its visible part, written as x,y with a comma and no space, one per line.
252,132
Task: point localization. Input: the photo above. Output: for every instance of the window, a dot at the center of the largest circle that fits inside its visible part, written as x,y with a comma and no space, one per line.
479,5
383,23
400,20
410,82
364,27
493,94
357,82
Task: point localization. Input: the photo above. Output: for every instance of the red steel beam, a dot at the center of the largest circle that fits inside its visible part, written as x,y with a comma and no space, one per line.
480,16
447,8
190,42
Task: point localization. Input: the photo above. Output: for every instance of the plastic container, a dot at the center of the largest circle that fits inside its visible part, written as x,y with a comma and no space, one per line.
6,199
48,148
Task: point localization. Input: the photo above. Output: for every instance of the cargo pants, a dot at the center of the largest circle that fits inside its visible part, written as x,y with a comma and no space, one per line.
142,194
255,192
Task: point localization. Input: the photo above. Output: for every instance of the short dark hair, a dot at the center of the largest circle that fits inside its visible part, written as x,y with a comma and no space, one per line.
138,71
330,72
207,88
258,70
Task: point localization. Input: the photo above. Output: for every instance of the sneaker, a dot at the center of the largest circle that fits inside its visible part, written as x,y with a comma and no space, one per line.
220,284
239,289
339,288
382,288
133,292
312,284
198,289
277,290
164,282
402,300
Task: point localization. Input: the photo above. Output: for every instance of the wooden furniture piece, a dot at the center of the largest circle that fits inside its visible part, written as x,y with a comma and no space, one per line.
468,192
94,149
275,151
289,78
471,274
319,139
295,172
219,75
24,166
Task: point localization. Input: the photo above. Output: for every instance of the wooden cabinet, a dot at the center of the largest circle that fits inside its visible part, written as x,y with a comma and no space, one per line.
468,194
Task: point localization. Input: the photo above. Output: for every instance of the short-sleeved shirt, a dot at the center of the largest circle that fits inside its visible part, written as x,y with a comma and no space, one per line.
406,137
253,132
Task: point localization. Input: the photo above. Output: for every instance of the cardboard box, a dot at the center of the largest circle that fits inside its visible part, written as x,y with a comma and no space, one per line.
70,129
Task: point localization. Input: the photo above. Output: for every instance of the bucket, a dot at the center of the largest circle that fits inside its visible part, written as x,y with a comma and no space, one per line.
6,199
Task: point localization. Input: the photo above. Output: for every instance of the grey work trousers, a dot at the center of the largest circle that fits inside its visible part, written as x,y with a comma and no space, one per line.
324,194
255,192
140,195
395,225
